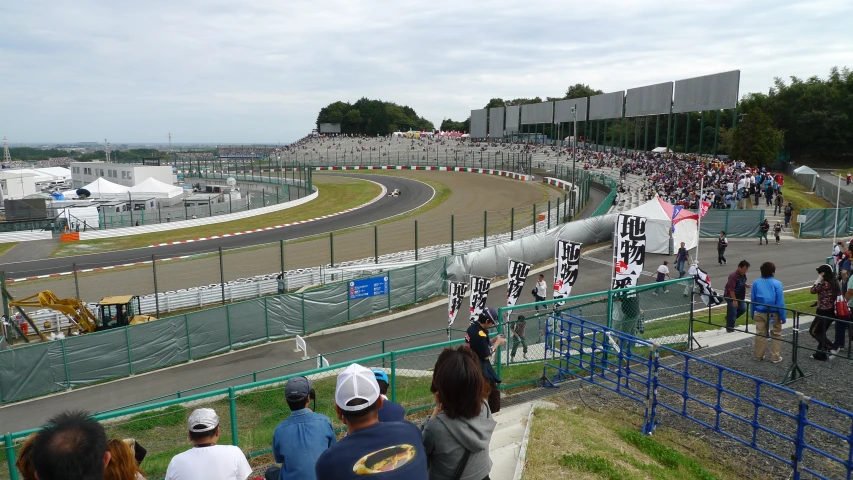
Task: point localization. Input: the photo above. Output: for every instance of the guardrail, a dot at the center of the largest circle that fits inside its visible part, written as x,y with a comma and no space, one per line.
793,429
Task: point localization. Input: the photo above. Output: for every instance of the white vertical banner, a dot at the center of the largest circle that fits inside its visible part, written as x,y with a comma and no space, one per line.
567,257
629,250
455,294
516,276
479,291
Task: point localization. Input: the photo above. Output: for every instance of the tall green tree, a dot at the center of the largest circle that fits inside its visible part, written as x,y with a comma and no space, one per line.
579,90
372,117
755,139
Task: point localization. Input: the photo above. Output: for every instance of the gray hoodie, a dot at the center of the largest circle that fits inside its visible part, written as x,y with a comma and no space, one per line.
444,439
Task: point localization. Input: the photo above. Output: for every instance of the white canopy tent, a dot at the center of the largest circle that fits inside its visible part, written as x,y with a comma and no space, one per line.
153,188
101,188
660,225
804,170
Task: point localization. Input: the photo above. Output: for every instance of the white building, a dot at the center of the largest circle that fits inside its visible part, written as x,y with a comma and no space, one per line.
127,174
16,185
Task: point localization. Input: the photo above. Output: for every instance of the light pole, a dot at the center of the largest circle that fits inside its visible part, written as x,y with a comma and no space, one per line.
574,156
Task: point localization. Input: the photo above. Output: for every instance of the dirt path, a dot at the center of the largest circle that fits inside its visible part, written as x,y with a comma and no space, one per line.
470,195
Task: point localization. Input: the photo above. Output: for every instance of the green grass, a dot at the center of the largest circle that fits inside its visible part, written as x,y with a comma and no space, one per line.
668,458
5,247
801,198
334,197
600,466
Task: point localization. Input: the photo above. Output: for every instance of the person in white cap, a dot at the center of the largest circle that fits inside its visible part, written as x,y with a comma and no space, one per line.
207,460
393,449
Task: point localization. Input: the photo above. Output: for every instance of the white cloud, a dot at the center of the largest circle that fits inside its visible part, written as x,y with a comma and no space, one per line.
259,71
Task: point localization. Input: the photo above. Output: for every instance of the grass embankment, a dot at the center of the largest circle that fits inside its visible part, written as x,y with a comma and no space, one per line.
5,247
334,197
573,441
801,198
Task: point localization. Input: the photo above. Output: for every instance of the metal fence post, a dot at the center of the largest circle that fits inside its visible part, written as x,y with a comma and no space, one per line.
281,255
304,331
267,318
129,355
332,249
534,218
485,228
652,397
232,407
9,446
156,294
393,376
512,223
452,242
558,212
416,240
76,285
228,321
416,283
799,441
65,364
189,343
222,275
549,215
376,244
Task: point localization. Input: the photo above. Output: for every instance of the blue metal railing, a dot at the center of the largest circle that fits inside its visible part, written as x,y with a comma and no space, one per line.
816,438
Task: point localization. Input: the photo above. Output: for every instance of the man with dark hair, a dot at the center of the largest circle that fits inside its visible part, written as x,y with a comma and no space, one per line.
735,294
71,446
390,411
477,337
207,460
393,449
722,243
300,439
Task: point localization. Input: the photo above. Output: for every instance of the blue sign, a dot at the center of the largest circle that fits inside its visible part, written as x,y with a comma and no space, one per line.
368,287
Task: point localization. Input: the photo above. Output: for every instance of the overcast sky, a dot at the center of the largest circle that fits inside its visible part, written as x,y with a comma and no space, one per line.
259,71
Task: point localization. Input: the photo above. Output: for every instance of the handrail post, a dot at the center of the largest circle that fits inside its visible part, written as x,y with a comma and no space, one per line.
228,321
799,440
232,406
189,342
393,376
9,446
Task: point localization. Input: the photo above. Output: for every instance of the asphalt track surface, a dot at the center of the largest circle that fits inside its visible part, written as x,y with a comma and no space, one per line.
414,194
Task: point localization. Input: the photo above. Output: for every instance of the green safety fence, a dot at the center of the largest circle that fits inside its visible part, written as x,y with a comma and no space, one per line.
105,355
250,412
821,222
605,205
736,223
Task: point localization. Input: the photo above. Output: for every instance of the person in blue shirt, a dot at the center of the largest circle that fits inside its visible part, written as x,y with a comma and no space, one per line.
768,307
299,441
390,411
389,450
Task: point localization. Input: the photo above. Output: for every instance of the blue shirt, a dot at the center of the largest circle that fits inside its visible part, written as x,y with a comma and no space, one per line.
392,451
391,412
299,441
769,292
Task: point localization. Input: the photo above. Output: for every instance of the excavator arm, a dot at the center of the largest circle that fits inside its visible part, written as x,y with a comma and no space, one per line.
73,309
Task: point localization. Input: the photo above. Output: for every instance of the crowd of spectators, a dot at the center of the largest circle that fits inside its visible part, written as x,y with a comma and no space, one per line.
450,444
50,162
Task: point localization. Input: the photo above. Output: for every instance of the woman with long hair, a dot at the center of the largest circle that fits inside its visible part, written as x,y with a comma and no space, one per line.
457,434
122,464
827,289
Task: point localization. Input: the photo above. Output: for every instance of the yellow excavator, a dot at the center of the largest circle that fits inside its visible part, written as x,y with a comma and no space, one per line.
114,312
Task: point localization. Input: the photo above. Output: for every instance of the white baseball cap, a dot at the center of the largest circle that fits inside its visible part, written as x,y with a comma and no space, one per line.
356,382
203,420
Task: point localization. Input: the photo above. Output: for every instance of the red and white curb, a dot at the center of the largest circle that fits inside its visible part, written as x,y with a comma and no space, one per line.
148,262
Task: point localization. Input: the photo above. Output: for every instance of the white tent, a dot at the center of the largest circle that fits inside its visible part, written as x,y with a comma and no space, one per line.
804,170
153,188
664,220
660,150
101,188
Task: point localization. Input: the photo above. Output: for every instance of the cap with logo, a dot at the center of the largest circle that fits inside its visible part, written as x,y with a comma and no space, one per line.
297,388
203,420
356,383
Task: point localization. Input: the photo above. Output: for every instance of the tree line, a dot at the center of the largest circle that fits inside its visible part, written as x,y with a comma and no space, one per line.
373,117
133,155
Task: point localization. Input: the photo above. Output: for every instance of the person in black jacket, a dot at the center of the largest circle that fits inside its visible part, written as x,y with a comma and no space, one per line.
477,337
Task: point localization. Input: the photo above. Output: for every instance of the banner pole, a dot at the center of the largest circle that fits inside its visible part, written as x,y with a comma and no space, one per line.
699,222
837,201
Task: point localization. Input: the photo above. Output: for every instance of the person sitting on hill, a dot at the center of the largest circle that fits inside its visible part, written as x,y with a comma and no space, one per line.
207,460
390,411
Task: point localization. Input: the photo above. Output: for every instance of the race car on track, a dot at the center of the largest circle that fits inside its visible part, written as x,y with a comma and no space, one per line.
395,193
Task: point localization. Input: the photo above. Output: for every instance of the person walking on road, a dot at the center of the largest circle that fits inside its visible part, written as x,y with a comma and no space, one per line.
736,295
763,228
540,291
779,204
518,328
849,177
768,311
722,243
789,211
662,275
681,259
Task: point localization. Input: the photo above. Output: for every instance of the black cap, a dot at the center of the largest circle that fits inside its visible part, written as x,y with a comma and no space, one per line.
297,388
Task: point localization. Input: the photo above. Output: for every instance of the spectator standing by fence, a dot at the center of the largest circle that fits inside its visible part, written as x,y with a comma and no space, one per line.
768,311
827,289
391,450
518,328
736,295
722,244
540,291
458,433
207,460
300,439
477,337
842,327
390,411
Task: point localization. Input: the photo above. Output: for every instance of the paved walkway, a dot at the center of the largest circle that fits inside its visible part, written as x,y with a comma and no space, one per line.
29,251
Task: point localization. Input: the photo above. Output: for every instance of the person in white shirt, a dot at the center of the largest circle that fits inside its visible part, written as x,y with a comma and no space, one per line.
540,292
662,275
207,460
